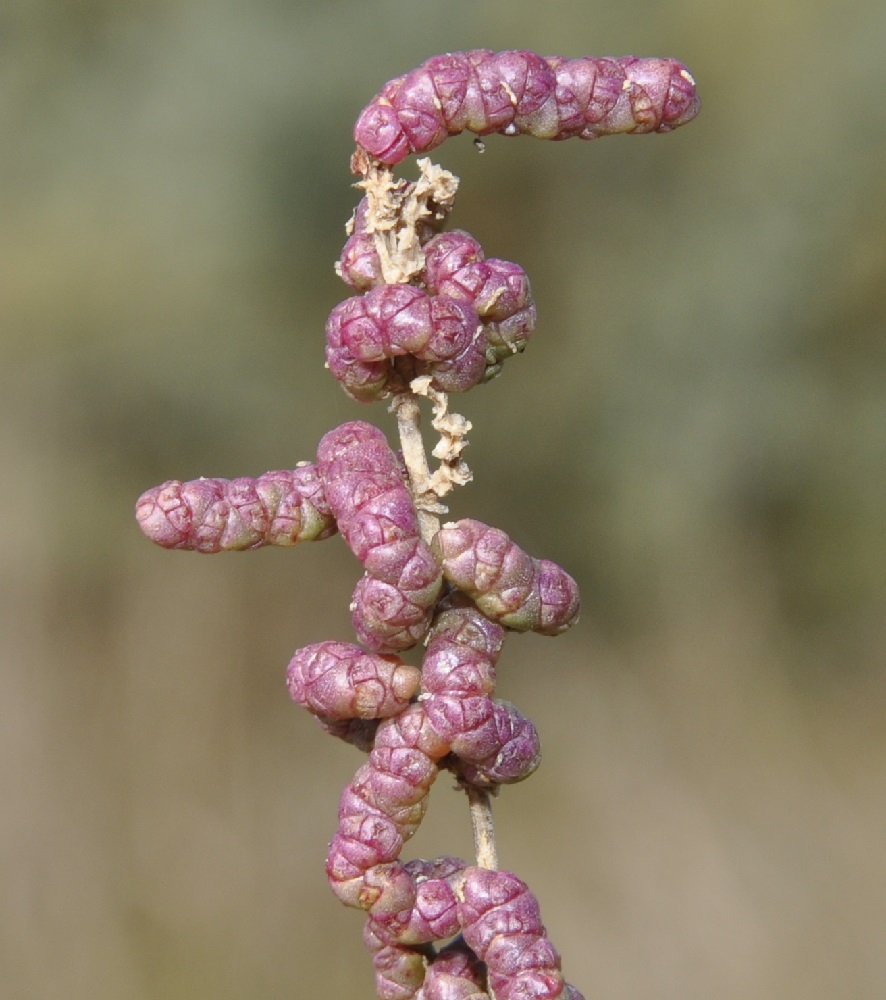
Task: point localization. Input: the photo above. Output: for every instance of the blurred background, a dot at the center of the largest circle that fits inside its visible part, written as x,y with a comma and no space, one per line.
697,432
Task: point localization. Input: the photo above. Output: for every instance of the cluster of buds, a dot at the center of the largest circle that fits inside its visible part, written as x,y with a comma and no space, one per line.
432,315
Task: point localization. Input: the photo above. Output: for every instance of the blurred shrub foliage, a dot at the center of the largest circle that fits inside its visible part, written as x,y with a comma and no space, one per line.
697,432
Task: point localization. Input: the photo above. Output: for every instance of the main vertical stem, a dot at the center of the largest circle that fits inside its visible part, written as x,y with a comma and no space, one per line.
406,407
483,826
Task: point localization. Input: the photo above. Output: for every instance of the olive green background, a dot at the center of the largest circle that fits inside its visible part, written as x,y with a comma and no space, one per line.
697,432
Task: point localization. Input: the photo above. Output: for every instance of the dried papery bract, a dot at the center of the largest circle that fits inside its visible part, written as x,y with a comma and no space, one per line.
433,315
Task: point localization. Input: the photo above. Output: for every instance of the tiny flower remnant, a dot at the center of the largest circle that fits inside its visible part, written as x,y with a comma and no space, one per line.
432,315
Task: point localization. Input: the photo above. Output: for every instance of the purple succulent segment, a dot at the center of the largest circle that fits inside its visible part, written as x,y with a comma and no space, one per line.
396,781
380,809
495,903
663,94
392,889
457,91
559,602
545,984
434,915
446,255
399,970
501,923
394,601
412,729
364,487
519,92
364,383
365,332
466,723
404,563
359,264
463,646
215,515
454,974
390,620
495,743
455,266
379,132
598,97
508,586
465,368
588,93
418,113
517,751
508,336
510,84
497,289
338,681
360,844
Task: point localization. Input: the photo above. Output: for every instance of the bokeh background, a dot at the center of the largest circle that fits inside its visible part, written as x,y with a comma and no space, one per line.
697,432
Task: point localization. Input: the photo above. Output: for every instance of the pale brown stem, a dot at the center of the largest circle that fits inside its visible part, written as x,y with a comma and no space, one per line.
484,828
405,406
